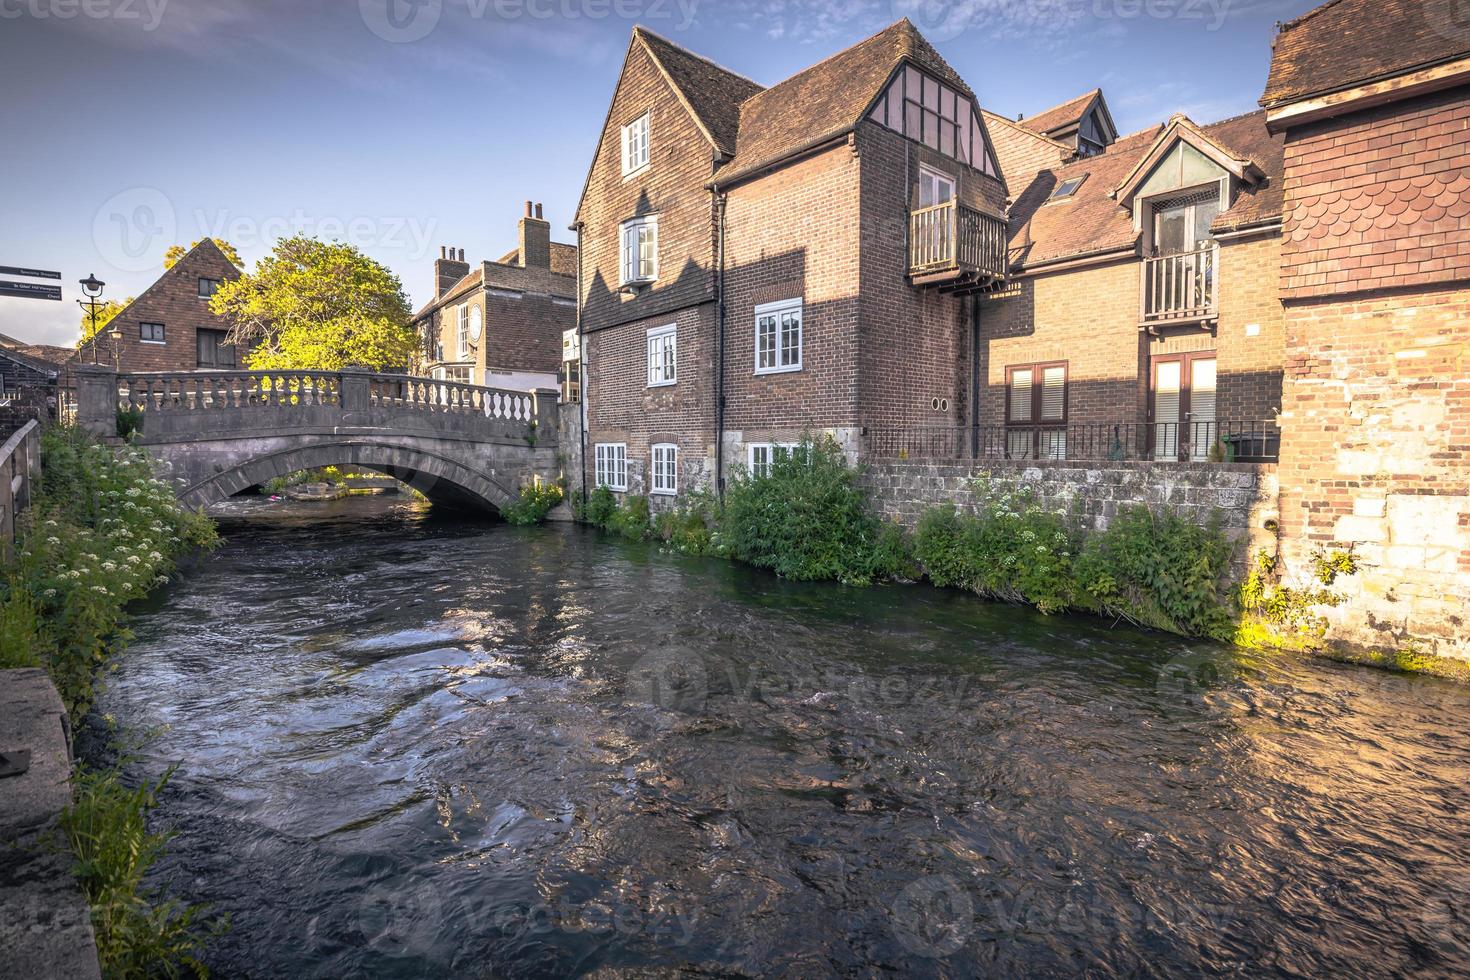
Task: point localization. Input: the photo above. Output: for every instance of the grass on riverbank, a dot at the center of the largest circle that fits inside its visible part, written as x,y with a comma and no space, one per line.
100,533
807,518
138,933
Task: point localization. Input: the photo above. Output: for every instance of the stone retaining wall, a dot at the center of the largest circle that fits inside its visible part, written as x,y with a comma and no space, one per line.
1244,495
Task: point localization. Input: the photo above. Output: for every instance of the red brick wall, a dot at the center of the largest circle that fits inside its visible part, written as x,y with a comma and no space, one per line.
1379,199
1376,400
915,342
172,300
622,408
794,235
524,333
673,187
1376,455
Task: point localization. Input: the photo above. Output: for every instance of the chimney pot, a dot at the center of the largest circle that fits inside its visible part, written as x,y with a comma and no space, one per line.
528,209
461,255
443,252
538,211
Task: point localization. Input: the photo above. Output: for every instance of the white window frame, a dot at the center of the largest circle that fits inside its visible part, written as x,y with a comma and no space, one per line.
931,178
658,338
215,284
770,449
630,266
656,484
462,327
635,146
611,465
777,310
162,340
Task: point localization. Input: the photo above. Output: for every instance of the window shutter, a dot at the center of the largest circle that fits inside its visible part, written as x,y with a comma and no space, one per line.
1021,395
1053,393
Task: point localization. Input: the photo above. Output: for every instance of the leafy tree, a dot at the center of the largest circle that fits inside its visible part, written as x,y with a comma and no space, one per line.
106,310
313,305
176,252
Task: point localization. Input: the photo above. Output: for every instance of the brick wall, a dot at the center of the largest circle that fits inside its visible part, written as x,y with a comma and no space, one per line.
621,407
1380,198
794,235
173,300
1244,496
1376,454
673,187
1088,317
1376,399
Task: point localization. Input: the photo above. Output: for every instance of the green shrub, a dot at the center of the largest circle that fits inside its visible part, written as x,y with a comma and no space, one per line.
100,533
1162,571
631,519
533,504
599,508
806,519
691,528
1011,549
893,554
129,420
138,935
1278,615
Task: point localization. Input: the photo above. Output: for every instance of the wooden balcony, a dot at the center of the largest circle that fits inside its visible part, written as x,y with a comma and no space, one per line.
1182,288
956,249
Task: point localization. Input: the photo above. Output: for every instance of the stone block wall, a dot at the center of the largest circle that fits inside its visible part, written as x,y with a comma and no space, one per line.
1244,495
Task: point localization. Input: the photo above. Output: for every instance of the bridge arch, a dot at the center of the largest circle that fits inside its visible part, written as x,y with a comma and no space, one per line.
442,480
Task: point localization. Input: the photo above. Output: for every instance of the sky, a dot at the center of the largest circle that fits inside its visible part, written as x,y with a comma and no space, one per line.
403,125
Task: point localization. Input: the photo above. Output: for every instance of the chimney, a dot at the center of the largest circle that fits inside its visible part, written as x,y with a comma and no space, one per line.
535,239
449,268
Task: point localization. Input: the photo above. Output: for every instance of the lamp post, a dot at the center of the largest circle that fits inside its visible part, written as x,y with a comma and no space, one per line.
92,289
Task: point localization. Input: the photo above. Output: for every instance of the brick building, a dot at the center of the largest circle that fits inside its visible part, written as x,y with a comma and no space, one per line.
501,323
1140,319
169,327
759,263
1373,100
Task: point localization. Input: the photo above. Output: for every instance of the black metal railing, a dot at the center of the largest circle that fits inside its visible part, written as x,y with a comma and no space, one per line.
1216,441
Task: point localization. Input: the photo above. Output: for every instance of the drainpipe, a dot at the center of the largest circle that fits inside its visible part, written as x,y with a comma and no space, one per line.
719,343
975,376
582,386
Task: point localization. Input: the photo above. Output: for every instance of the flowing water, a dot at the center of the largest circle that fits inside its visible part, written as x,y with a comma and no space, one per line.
409,746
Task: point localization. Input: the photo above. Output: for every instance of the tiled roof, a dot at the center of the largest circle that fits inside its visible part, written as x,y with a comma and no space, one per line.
829,98
1091,222
1021,153
712,92
563,258
1345,43
49,353
1069,113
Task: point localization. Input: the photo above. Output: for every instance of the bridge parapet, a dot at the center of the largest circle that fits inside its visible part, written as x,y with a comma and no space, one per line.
171,404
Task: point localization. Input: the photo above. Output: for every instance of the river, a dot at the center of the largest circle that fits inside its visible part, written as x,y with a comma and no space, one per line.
414,746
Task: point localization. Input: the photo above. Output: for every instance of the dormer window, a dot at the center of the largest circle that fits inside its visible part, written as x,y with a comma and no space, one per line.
1182,224
1067,188
639,250
635,145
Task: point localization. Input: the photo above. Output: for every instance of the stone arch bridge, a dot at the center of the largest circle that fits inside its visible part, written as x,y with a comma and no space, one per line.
215,433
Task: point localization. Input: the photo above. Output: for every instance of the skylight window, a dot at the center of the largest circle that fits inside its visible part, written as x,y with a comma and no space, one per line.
1067,188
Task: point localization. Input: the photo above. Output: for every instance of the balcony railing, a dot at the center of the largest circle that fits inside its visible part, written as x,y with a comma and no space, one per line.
1183,286
952,244
1222,441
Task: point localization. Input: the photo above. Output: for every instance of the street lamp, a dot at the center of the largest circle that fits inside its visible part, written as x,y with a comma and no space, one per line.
92,289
